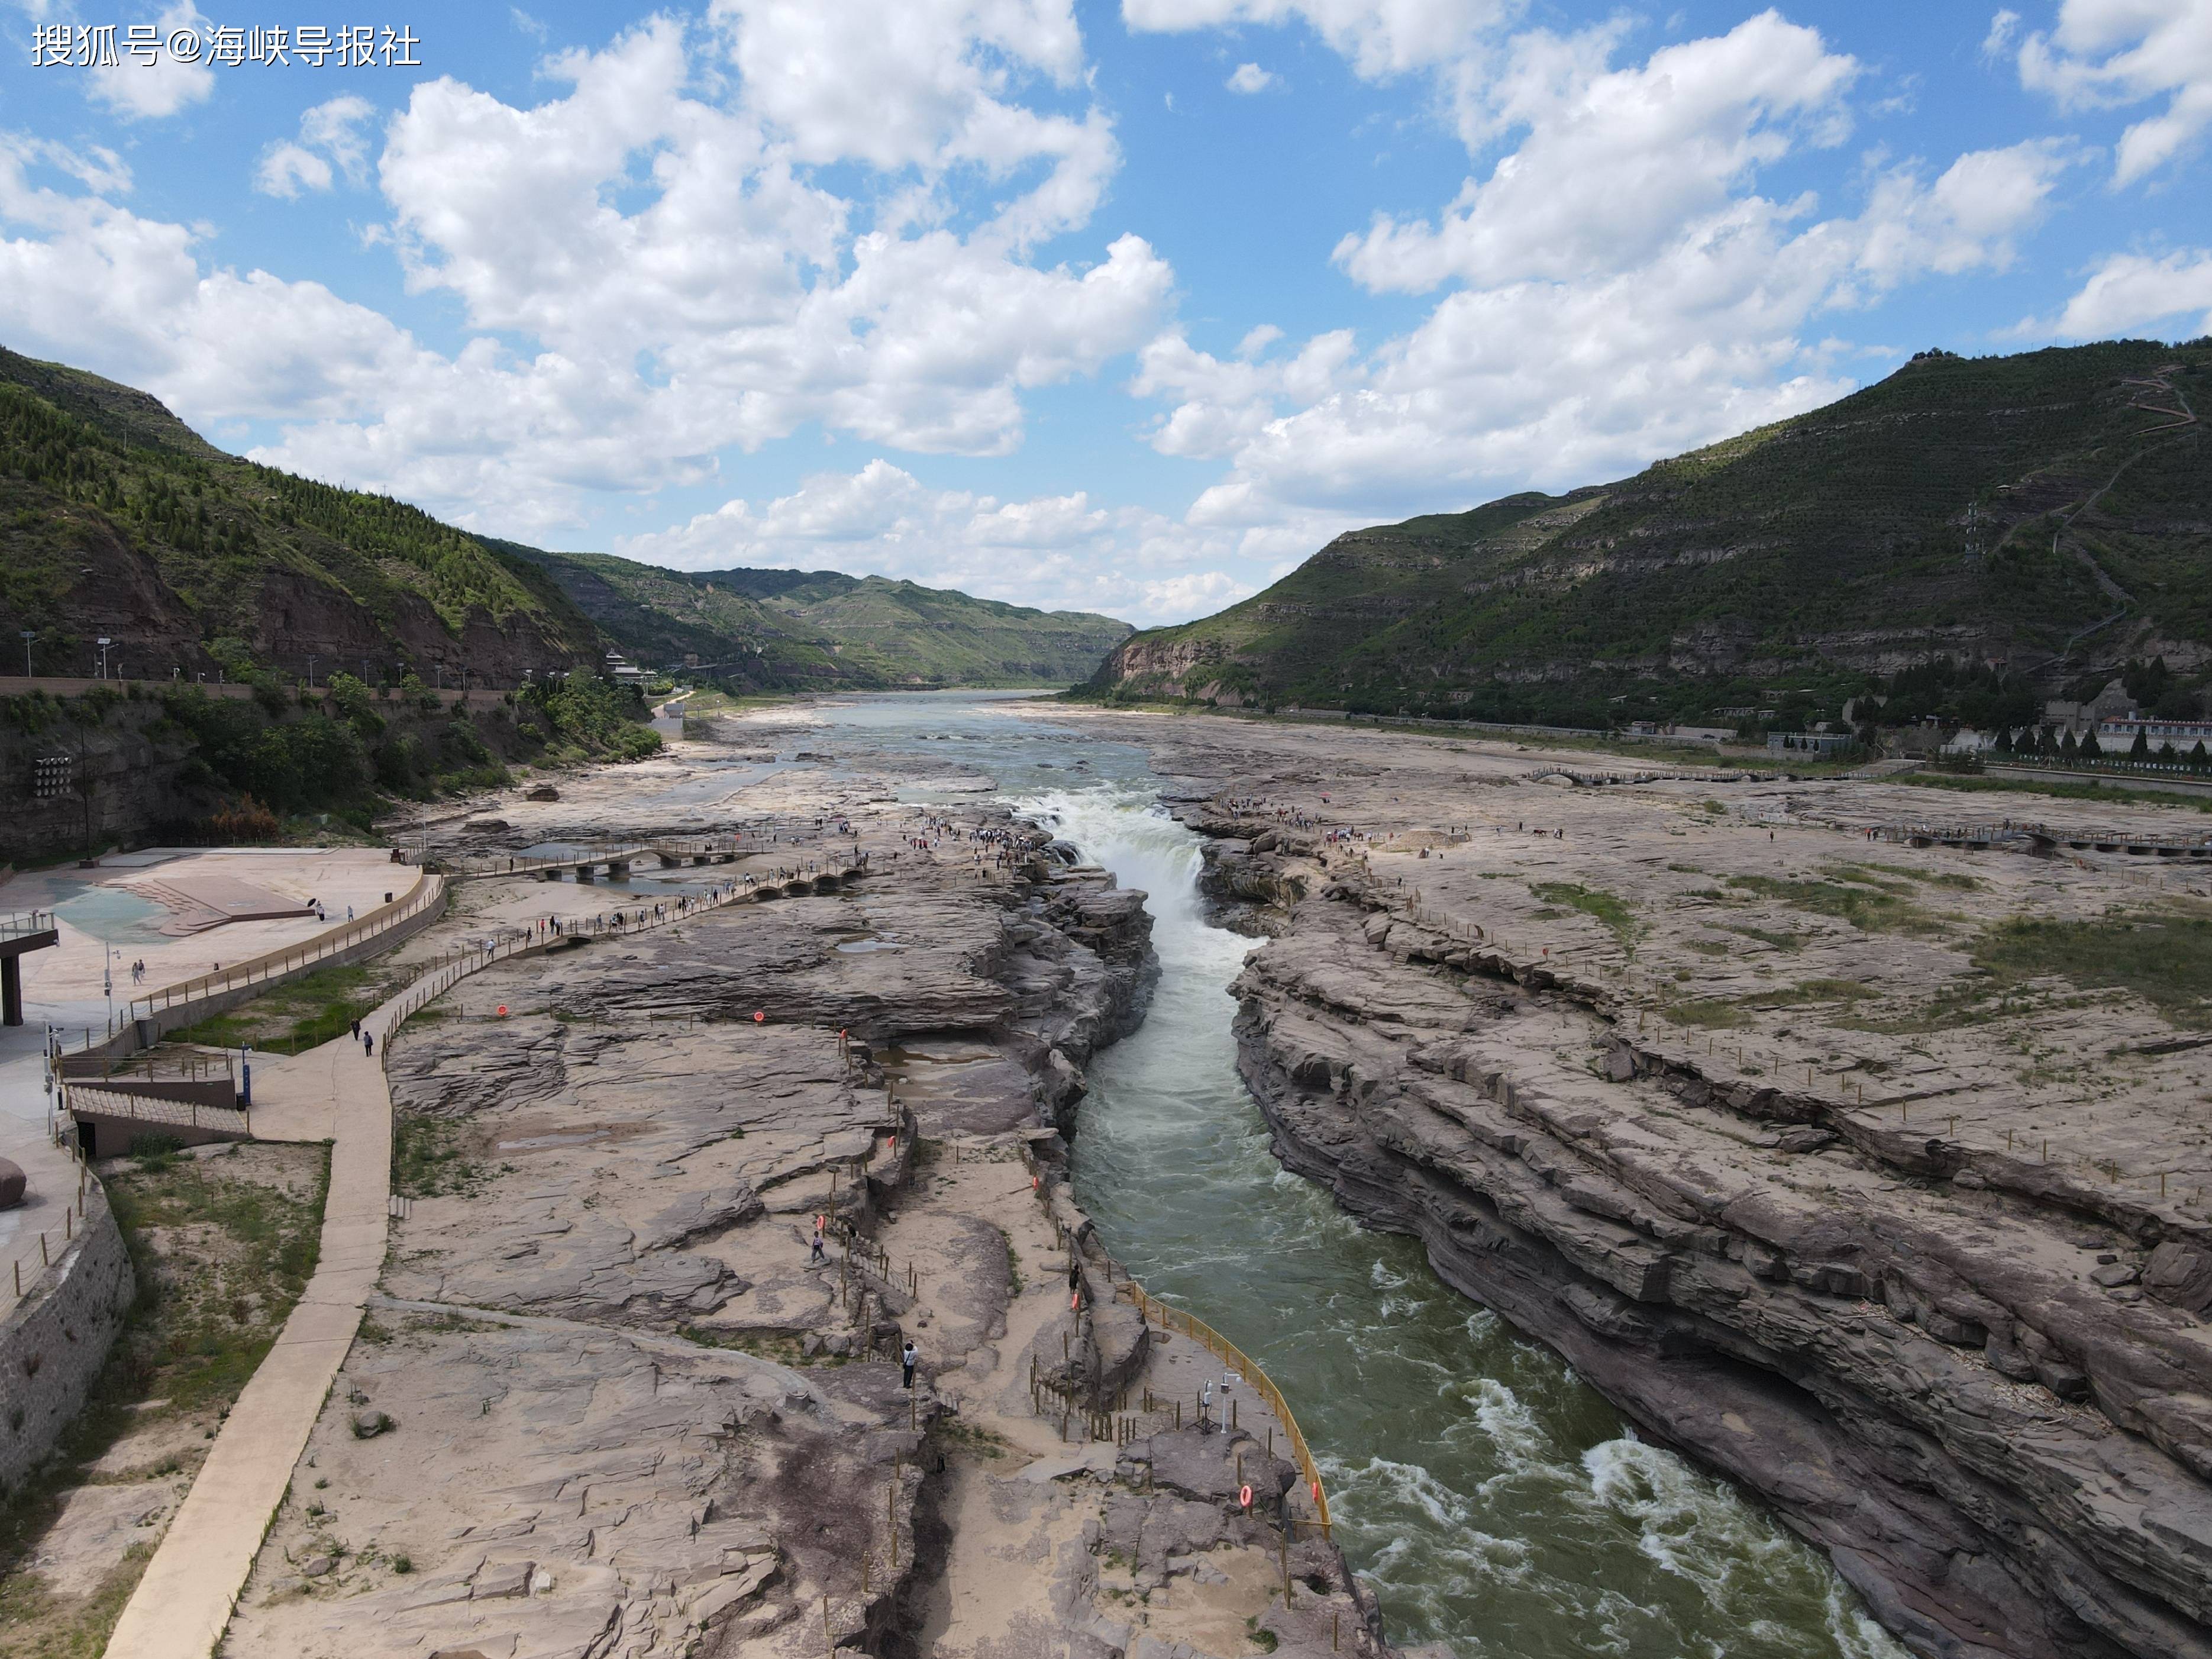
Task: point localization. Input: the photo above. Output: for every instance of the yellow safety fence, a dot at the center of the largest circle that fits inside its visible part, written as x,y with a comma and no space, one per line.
1175,1319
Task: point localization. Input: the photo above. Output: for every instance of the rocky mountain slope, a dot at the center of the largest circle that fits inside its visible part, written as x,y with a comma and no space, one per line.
2051,511
821,627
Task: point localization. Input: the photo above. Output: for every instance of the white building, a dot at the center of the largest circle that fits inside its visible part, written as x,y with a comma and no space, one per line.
2117,737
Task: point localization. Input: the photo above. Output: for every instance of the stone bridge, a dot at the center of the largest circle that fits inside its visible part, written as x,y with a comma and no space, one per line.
2023,836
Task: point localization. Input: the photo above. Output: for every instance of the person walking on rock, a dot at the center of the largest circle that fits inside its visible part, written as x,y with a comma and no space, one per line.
907,1355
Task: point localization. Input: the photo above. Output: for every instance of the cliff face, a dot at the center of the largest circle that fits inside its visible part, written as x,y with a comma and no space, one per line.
1876,1335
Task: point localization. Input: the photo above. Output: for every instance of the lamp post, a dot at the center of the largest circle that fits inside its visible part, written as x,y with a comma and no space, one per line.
312,660
103,643
29,633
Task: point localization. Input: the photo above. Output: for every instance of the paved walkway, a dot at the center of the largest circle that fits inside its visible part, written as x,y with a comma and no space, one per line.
183,1602
335,1093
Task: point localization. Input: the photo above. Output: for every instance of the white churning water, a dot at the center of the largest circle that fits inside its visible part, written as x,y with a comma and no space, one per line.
1496,1500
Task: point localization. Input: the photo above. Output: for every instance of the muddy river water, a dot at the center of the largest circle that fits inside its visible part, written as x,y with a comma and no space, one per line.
1496,1500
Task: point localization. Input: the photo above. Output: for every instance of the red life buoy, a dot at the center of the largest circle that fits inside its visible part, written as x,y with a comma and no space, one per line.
760,1017
1244,1497
502,1011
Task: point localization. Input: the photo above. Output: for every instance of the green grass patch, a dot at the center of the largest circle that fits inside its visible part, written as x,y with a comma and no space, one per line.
1607,908
1957,881
294,1018
430,1158
1704,1013
220,1256
2089,790
1809,993
1871,906
2166,959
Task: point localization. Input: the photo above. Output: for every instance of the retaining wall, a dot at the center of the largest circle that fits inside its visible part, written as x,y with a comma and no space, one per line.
54,1342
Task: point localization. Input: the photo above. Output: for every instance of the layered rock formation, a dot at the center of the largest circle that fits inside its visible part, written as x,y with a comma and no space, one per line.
1948,1379
610,1402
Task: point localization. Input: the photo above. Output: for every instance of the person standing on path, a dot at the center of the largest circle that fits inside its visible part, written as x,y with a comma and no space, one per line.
356,1030
368,1044
907,1355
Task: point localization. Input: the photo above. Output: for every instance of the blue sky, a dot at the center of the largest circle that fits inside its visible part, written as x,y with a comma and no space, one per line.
1125,307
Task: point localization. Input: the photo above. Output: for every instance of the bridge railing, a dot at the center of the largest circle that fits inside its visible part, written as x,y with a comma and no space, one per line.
23,923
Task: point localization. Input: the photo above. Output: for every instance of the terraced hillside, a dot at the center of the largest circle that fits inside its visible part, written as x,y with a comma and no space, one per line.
2051,511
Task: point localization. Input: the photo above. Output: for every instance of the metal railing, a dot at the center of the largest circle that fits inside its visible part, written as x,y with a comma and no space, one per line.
154,1066
2198,845
275,964
1174,1319
24,923
53,1249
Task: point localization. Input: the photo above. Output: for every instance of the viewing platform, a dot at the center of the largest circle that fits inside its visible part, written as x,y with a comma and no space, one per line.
27,930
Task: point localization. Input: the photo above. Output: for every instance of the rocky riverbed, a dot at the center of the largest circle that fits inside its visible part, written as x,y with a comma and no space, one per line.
1871,1175
610,1401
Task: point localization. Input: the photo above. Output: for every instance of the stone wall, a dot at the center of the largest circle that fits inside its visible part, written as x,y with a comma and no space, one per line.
54,1342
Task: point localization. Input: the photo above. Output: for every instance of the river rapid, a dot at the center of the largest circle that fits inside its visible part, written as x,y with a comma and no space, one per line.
1496,1501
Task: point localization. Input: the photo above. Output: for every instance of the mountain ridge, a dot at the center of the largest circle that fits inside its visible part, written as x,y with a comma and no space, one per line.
118,520
826,624
2000,511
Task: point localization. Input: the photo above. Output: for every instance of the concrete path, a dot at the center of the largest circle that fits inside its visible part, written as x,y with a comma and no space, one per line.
335,1093
183,1602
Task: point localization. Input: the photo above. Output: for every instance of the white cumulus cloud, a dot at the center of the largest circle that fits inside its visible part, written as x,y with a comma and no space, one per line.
1062,552
2108,54
649,272
2131,291
1616,286
138,90
1249,78
330,137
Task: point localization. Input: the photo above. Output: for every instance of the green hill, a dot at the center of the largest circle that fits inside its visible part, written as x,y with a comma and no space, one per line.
2044,517
825,629
118,521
